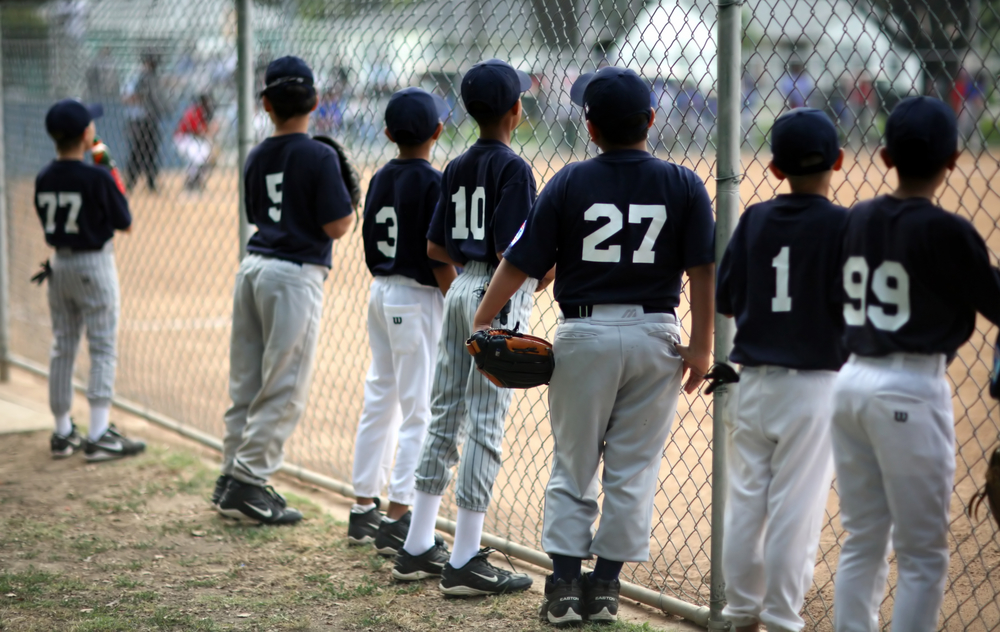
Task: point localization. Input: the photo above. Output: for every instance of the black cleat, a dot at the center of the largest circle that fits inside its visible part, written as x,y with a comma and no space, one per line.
600,599
430,563
112,445
257,504
362,527
221,484
391,535
562,605
63,447
479,577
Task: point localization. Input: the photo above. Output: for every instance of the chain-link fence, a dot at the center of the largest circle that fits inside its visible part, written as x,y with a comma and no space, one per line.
150,61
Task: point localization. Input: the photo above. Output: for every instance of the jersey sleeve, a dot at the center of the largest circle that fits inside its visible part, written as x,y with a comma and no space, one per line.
731,275
248,191
966,264
534,248
333,202
698,234
435,231
515,197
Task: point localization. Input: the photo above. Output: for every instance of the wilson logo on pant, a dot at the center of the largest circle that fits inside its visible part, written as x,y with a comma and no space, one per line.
397,320
901,416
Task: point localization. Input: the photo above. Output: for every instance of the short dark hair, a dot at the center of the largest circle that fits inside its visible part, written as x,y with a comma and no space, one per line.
483,114
289,101
67,144
405,138
627,131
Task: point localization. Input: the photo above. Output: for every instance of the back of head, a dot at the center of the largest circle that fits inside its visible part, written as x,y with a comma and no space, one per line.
491,88
288,86
67,120
412,116
921,136
804,142
617,101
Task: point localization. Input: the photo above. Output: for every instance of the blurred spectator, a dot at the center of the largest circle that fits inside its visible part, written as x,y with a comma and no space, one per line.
863,101
693,108
795,86
102,77
147,106
969,101
751,104
193,139
330,112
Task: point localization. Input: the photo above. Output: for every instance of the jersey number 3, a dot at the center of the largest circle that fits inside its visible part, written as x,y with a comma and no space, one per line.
891,286
274,181
51,201
656,213
386,215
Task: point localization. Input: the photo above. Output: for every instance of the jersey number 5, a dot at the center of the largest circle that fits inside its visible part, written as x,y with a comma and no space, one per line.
656,213
385,215
274,181
51,201
463,222
891,286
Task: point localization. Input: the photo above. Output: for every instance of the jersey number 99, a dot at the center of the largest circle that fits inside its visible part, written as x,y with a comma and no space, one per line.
51,201
891,286
656,213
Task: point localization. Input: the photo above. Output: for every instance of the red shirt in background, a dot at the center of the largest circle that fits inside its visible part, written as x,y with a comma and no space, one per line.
193,122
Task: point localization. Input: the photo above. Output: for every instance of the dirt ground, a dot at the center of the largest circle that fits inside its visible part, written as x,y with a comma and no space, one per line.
177,269
133,545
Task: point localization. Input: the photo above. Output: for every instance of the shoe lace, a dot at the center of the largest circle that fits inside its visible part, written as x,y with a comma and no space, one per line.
275,496
486,551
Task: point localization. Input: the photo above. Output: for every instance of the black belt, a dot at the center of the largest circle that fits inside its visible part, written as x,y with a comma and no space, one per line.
66,250
585,311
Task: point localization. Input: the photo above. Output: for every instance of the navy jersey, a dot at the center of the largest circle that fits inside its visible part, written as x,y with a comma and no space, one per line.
620,228
401,199
914,276
293,188
485,195
779,279
79,205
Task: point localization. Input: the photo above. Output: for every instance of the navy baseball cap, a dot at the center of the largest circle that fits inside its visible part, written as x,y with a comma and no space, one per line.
611,95
804,141
413,114
69,118
494,84
287,71
921,135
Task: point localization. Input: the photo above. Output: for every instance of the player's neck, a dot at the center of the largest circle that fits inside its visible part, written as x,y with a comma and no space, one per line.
636,146
913,188
294,125
72,154
415,152
498,132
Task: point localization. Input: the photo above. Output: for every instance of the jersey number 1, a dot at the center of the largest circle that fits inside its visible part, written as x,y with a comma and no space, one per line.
782,302
51,201
463,225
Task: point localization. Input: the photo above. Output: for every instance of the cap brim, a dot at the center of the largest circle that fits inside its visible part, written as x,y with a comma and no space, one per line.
96,110
525,80
580,86
443,110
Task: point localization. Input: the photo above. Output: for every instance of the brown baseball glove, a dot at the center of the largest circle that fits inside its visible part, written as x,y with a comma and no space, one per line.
991,490
511,359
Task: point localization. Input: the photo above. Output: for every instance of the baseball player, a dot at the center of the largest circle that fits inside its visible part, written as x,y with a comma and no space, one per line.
914,276
620,229
777,278
485,196
296,197
193,139
80,208
404,320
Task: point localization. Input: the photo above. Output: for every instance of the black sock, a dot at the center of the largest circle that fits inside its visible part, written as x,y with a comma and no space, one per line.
607,570
565,567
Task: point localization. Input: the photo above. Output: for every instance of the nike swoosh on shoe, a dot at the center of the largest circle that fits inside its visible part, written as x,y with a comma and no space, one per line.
489,578
263,514
396,537
111,447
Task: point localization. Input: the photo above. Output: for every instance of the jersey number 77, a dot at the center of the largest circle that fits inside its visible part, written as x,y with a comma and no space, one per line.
51,201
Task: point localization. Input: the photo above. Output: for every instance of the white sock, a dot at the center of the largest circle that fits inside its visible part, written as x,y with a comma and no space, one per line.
389,520
420,538
468,533
360,509
63,425
99,416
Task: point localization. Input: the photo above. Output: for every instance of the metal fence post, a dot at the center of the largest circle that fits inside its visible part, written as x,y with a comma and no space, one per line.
4,248
244,104
728,177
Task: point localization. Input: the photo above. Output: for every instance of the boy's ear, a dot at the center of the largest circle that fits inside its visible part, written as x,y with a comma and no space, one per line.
595,134
838,164
652,118
388,135
886,158
953,160
266,103
778,173
516,108
437,133
315,105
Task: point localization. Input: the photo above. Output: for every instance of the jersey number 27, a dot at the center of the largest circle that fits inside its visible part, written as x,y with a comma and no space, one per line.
655,213
51,201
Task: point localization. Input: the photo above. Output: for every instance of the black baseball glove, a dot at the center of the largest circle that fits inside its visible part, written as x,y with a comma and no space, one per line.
511,359
347,171
720,373
42,274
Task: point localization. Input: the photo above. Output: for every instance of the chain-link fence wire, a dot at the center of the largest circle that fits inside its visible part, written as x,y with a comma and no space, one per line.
852,58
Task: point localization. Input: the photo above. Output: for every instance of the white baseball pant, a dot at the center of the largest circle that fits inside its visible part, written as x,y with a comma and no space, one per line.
277,307
779,467
894,451
613,394
404,326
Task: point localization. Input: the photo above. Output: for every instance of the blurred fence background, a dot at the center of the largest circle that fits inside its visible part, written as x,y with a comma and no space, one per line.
150,61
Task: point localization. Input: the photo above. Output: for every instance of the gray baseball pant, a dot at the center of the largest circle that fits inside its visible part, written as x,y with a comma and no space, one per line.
613,393
83,291
464,404
277,307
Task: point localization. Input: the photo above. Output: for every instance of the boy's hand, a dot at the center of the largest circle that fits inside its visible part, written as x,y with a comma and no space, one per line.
696,363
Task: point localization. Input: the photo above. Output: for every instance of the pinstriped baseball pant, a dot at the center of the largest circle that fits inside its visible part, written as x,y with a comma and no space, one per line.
466,408
83,292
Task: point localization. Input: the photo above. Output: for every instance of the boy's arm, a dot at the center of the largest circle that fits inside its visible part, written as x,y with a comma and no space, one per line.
437,252
338,227
444,276
546,280
697,354
506,280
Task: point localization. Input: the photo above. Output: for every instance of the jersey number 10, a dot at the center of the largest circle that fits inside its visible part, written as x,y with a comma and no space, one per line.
51,201
463,222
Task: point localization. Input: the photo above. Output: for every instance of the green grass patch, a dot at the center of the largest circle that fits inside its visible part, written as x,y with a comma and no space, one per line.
345,592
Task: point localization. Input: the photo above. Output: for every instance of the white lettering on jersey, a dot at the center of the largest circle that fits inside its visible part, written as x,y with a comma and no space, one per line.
656,213
274,180
891,285
782,302
51,201
463,221
386,215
